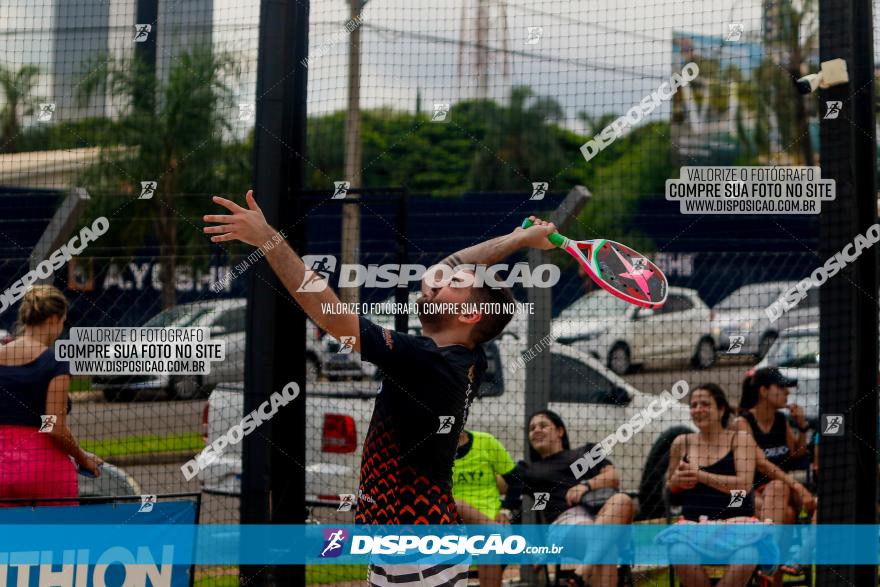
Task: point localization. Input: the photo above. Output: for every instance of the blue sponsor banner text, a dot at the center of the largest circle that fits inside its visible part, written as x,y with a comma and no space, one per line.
185,544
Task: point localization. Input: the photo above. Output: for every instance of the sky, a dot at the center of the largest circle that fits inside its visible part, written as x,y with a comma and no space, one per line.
598,56
601,56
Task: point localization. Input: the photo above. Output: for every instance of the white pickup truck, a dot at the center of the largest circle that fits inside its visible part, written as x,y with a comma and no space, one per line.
591,399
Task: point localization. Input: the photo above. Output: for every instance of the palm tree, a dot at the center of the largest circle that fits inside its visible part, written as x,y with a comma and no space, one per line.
17,87
173,134
520,145
798,35
595,124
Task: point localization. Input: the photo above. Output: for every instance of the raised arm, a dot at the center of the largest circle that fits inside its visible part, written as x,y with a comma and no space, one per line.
497,249
250,226
494,250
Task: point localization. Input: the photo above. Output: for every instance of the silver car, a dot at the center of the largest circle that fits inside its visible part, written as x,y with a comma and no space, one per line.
226,320
740,321
796,353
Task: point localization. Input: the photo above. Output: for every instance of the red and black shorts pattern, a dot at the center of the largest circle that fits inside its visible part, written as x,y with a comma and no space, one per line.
394,494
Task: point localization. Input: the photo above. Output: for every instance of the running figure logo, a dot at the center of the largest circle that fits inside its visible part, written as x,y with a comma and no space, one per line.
47,423
441,111
333,541
246,112
319,269
832,424
341,190
737,497
46,112
541,501
346,345
734,31
539,189
832,109
142,32
147,503
535,33
346,500
736,344
446,424
148,188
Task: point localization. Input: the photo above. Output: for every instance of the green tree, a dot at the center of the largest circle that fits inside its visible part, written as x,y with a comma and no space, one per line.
520,145
172,133
17,87
595,124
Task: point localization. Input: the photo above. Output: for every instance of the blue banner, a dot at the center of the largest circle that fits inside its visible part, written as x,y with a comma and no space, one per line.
133,540
95,545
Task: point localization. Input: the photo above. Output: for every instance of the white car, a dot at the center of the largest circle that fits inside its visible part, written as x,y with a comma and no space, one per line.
621,334
592,401
742,314
226,320
796,353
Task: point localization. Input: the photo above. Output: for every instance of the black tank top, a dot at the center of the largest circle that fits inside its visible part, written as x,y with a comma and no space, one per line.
707,501
773,443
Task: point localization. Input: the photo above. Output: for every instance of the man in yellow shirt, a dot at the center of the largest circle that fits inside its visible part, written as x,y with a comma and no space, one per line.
481,462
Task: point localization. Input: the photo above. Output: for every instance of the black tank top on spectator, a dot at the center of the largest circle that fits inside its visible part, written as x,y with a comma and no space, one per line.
23,389
703,500
773,443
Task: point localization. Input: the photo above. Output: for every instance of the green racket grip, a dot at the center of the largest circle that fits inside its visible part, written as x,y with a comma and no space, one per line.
555,238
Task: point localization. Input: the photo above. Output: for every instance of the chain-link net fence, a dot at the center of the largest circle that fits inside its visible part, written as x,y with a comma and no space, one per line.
432,129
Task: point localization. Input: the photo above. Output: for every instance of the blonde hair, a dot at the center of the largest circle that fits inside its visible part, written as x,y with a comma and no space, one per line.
40,303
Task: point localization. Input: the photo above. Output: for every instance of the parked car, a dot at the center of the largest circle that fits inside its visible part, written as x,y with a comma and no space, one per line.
622,335
742,313
226,321
592,400
796,353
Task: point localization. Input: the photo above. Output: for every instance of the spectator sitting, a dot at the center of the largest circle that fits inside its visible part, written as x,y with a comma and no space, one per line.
568,499
712,472
35,441
481,462
778,496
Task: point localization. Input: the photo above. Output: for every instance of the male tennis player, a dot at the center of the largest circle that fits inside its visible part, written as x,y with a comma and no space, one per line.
409,451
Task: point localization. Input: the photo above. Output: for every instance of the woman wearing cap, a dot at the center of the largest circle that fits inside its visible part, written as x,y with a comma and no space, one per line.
36,446
778,496
765,393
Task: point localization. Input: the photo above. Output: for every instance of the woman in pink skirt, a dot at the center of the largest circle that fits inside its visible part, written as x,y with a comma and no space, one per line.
37,450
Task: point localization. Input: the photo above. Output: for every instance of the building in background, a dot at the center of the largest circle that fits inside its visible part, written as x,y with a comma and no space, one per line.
64,38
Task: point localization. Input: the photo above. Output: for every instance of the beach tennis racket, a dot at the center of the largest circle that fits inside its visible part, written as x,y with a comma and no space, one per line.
616,268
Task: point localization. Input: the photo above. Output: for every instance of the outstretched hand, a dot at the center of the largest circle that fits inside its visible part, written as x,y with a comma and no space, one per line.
535,236
247,225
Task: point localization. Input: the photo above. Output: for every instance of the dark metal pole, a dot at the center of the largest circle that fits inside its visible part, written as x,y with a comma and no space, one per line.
146,13
273,477
538,379
848,304
401,294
